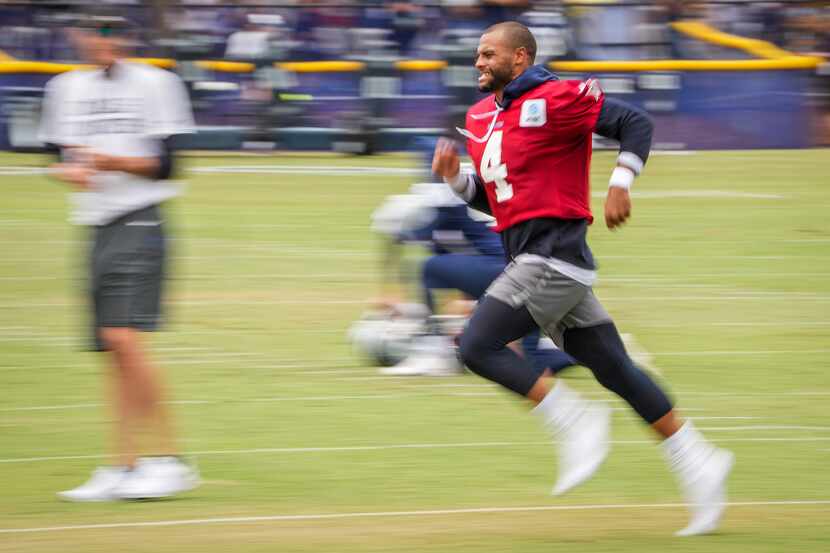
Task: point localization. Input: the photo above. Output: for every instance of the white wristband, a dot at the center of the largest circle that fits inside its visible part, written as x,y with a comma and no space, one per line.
463,186
622,177
632,161
458,182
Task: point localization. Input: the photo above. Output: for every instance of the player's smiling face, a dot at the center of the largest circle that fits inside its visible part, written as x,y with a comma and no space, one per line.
494,62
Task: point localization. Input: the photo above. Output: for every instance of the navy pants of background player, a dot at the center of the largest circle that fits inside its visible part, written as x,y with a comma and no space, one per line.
473,274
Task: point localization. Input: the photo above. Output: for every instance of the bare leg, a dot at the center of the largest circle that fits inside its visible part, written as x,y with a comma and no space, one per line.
539,390
124,411
667,425
143,388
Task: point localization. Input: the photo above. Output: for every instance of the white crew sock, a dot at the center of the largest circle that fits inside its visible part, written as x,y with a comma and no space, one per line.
560,407
687,450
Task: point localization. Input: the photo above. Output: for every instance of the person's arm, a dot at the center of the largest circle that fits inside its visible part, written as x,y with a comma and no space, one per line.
470,188
154,167
467,186
169,115
633,129
67,167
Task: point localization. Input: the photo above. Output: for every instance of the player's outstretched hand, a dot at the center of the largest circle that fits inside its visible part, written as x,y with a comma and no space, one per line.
445,162
617,207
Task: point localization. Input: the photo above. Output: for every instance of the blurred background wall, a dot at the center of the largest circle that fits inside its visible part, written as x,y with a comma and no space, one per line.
369,76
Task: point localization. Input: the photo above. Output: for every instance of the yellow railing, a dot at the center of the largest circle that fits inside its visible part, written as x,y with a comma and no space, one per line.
793,62
771,58
321,66
706,33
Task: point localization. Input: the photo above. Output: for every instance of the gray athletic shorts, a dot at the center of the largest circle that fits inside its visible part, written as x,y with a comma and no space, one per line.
556,302
127,272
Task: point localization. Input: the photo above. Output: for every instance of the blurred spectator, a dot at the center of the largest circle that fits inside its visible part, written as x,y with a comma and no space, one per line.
496,11
614,31
405,21
324,31
251,42
807,30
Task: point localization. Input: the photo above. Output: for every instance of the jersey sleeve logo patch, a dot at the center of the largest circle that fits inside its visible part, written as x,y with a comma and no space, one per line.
593,88
534,113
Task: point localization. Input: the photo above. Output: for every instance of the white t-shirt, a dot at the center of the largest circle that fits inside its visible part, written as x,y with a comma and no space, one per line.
125,113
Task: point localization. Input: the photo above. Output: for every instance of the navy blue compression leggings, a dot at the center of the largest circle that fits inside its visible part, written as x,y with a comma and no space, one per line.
495,324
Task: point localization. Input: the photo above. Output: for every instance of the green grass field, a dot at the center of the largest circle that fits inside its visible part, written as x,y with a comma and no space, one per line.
722,274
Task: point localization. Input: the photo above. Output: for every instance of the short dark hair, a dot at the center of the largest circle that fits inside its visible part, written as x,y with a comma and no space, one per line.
517,35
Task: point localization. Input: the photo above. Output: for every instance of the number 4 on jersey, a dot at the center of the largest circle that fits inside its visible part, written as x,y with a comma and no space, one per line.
493,170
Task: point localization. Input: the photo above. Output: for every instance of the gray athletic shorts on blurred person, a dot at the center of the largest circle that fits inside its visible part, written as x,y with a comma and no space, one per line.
127,273
556,302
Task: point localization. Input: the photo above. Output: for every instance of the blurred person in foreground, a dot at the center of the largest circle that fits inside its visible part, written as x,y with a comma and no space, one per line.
530,142
114,125
465,256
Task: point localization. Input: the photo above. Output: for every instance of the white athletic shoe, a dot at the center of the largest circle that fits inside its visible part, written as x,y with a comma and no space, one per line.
583,447
702,470
157,477
100,487
424,365
582,429
431,356
707,494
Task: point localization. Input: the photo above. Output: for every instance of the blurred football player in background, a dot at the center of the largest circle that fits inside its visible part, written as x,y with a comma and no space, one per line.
466,256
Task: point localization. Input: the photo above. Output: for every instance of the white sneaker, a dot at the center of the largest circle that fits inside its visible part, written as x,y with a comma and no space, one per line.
157,477
424,365
100,487
707,494
582,429
702,470
583,448
431,356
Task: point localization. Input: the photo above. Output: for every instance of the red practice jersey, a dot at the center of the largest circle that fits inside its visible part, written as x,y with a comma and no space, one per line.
535,162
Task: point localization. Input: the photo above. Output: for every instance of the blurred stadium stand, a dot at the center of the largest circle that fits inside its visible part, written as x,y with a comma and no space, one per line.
363,76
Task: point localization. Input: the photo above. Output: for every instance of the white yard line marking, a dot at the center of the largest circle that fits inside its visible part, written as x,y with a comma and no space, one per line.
691,276
755,297
19,170
706,257
196,303
793,393
762,427
332,366
68,406
725,418
307,170
340,277
274,399
73,406
334,398
781,324
696,194
278,254
389,514
740,352
392,447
